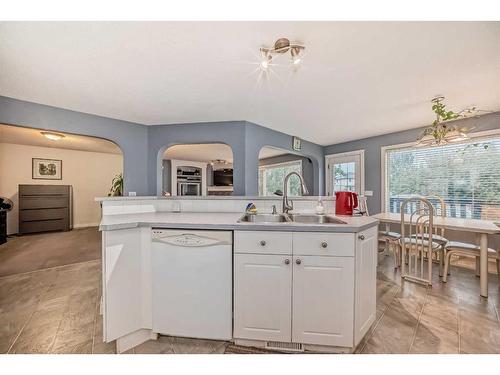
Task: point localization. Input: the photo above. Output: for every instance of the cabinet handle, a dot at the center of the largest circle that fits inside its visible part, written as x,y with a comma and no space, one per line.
298,261
262,243
287,261
361,237
324,244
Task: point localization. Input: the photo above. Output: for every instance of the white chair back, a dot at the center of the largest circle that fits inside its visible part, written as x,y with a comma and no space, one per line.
416,239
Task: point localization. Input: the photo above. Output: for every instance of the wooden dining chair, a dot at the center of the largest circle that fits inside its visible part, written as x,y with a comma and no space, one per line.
417,241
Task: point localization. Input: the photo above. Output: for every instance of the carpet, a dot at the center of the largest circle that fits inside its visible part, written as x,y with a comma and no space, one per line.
46,250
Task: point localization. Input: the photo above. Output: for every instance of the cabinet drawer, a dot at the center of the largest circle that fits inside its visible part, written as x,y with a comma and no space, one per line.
323,244
43,226
43,214
262,242
43,202
44,190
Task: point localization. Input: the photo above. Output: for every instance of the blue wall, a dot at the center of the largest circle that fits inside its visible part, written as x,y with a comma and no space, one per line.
373,145
131,137
245,139
143,146
162,137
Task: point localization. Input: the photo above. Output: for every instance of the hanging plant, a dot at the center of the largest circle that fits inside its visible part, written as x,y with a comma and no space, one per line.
441,132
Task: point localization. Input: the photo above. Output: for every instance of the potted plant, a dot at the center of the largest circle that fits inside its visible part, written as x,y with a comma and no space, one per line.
116,186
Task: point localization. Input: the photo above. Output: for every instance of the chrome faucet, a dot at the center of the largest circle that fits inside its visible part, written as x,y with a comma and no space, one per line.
287,206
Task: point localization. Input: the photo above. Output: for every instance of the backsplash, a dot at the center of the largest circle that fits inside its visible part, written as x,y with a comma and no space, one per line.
153,204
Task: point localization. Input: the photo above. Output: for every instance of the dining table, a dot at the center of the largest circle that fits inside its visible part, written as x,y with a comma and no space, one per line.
482,228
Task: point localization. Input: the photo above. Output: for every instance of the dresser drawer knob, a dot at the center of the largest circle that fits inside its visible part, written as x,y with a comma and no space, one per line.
287,261
298,261
262,243
361,237
324,244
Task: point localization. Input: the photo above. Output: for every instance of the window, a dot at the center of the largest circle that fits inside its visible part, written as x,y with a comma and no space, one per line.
465,175
345,172
271,178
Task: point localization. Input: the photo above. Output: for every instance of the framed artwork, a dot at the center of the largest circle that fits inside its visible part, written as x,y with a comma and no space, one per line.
46,169
296,144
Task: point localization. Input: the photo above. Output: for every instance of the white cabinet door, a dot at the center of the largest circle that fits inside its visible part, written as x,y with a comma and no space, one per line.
262,297
366,282
323,300
122,283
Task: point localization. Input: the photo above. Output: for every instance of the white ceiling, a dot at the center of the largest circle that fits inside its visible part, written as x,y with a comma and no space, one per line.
358,79
212,151
33,137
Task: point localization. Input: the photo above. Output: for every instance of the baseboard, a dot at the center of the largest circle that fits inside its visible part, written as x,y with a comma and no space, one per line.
79,226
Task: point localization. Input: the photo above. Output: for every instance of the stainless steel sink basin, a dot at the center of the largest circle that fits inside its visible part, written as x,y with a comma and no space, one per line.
289,218
315,219
264,218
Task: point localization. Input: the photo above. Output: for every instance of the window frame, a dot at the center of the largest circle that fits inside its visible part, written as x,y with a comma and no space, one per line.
277,165
383,160
354,154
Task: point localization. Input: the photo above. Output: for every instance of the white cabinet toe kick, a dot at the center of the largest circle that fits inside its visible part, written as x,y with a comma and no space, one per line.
291,291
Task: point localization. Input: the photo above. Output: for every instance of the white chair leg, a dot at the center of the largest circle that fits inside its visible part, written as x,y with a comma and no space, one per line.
441,262
477,266
394,250
447,260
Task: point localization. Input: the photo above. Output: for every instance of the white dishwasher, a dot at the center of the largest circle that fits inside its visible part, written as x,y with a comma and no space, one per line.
192,283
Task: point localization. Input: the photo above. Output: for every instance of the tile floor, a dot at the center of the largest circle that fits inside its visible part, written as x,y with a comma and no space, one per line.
57,311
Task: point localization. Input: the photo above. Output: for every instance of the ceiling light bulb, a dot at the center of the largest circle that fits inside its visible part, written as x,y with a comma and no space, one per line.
52,136
296,58
265,59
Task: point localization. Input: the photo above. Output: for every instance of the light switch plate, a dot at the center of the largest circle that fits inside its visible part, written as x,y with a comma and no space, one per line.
132,194
368,193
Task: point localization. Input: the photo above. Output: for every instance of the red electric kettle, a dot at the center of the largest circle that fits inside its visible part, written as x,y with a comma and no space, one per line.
345,202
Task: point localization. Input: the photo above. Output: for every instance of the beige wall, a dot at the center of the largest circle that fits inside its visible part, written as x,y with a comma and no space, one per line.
90,174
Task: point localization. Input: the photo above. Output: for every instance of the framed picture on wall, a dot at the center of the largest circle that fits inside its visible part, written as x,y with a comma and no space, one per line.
46,169
296,144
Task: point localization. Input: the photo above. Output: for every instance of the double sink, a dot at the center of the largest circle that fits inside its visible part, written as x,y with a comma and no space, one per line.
289,218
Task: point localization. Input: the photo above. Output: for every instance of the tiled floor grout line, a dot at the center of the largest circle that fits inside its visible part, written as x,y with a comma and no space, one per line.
55,335
21,331
46,269
458,327
379,320
496,311
98,300
418,320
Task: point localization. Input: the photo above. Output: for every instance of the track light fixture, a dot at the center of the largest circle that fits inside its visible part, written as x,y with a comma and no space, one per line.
281,46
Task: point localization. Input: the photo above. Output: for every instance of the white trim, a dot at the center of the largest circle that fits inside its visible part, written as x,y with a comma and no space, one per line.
383,159
174,163
348,153
361,154
85,225
281,164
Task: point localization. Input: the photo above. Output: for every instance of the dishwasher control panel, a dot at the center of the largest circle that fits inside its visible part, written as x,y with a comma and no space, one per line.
190,238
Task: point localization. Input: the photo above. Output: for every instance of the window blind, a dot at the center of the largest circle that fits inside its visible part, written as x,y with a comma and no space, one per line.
465,175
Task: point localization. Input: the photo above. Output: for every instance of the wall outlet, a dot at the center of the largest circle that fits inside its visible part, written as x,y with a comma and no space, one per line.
132,194
368,193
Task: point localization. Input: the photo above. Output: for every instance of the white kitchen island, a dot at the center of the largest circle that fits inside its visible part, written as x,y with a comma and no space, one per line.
295,286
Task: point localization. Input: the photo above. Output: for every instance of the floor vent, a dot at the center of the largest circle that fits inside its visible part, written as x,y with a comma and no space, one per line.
289,346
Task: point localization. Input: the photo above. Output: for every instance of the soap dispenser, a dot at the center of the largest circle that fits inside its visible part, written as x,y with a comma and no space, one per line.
320,209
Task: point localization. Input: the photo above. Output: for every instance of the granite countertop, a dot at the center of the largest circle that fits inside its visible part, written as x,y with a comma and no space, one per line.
228,221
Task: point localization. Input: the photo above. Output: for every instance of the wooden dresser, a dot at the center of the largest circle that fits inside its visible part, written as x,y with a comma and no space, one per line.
44,208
